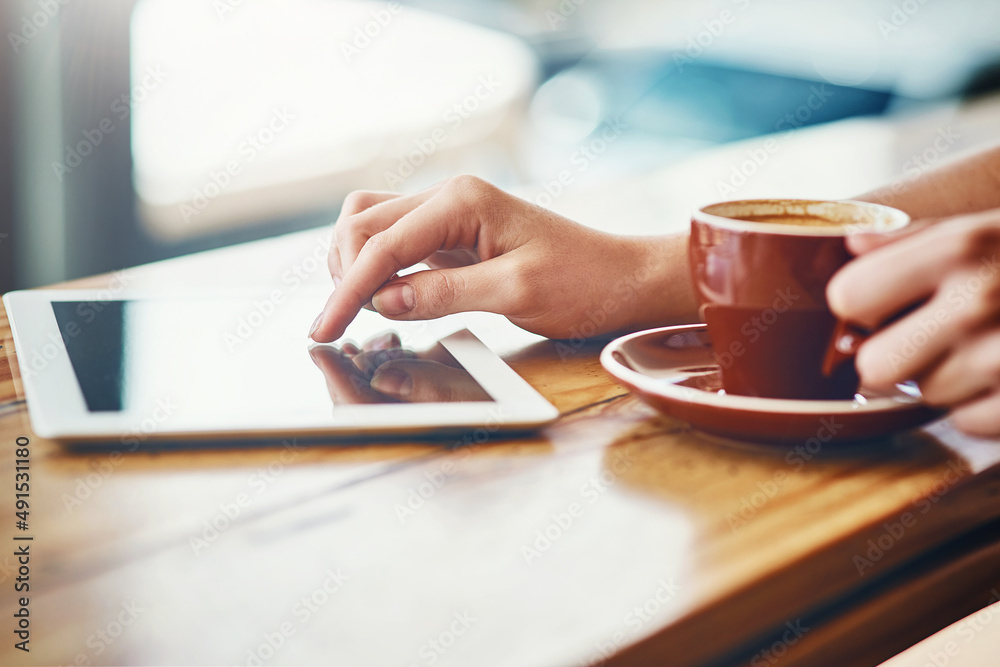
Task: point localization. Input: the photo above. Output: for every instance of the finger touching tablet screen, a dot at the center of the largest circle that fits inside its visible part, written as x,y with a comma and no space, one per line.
154,366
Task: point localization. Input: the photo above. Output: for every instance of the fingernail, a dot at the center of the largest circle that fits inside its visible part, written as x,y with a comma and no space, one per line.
393,382
315,325
849,343
336,282
395,299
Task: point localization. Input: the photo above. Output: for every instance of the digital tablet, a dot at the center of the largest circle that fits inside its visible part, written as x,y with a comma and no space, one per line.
135,368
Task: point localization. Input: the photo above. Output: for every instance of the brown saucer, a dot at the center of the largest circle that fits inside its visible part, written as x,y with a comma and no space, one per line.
673,369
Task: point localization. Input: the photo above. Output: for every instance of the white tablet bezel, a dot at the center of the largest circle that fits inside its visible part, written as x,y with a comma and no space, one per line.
58,411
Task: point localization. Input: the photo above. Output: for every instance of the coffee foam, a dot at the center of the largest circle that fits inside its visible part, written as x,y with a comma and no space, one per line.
839,217
807,220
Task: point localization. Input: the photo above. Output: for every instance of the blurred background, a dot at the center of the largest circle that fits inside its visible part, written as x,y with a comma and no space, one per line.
136,130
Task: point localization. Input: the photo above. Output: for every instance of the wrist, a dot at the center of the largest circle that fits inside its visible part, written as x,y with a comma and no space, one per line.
662,292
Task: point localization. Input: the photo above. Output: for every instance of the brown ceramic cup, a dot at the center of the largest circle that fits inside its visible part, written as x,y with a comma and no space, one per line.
760,269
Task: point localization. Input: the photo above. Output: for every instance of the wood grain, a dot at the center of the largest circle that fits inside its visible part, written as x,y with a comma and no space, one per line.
694,534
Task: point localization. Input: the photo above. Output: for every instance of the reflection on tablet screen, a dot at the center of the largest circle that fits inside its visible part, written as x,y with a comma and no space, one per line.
211,355
383,371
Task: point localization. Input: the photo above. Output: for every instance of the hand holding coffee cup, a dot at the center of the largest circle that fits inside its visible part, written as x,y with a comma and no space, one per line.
760,269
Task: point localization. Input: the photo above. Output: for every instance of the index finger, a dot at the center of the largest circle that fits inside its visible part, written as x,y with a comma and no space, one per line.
861,243
440,223
877,285
355,203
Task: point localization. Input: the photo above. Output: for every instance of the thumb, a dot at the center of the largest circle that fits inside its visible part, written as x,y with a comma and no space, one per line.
429,294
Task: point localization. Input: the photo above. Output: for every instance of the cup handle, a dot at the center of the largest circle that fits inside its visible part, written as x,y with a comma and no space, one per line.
844,344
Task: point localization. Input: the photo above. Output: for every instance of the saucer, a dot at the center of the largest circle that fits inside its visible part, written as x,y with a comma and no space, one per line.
673,369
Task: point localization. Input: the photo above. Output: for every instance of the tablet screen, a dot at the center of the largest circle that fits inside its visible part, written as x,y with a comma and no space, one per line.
225,356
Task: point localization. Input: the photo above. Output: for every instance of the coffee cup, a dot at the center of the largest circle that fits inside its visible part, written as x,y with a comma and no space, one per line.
760,269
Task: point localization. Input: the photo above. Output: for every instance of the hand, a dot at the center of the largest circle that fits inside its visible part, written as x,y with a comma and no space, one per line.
491,251
950,342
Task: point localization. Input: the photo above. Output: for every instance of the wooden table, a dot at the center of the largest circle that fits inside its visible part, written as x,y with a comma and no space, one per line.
614,533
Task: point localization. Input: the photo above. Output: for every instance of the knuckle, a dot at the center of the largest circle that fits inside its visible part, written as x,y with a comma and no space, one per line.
358,201
980,240
479,200
444,287
381,250
983,308
472,191
379,244
467,183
